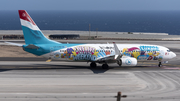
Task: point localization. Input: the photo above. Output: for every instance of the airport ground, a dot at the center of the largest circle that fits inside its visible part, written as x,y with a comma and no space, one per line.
24,77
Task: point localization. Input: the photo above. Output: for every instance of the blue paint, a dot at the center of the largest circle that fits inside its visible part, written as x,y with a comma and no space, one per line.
128,61
35,37
149,48
142,57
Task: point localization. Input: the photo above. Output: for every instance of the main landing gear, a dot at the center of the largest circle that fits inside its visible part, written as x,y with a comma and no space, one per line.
93,65
160,64
104,66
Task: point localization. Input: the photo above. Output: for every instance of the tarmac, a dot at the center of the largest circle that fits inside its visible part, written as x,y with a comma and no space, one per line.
33,79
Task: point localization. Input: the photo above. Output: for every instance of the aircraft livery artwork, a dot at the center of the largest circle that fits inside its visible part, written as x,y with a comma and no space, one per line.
143,53
122,54
83,53
89,53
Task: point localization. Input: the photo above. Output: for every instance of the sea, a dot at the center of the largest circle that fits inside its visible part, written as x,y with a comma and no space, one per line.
116,21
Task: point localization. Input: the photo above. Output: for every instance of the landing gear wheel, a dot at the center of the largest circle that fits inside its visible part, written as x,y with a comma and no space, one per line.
105,66
160,64
93,65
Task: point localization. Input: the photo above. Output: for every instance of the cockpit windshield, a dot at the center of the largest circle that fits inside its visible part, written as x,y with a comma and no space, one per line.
168,51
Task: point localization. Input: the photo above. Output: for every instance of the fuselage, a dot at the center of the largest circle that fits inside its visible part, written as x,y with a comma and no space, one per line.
92,52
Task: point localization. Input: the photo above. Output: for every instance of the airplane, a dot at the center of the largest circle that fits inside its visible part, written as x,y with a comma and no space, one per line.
122,54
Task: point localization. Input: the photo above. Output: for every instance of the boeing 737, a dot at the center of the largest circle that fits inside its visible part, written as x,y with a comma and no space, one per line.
122,54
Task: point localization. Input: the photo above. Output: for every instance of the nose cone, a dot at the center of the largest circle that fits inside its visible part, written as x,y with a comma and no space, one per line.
173,55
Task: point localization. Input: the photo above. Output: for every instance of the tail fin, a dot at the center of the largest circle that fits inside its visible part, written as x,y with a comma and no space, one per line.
32,33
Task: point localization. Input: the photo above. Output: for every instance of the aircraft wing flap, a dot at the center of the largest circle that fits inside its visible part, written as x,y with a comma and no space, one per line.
108,57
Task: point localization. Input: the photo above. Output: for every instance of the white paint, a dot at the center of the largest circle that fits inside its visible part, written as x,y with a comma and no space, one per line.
29,25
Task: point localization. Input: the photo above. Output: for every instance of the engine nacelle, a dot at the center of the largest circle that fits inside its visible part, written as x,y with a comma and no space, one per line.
127,61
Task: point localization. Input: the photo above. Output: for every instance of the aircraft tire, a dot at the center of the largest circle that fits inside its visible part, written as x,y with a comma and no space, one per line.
93,65
105,66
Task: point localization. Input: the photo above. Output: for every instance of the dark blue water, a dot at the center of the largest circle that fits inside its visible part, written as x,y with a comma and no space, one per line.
118,21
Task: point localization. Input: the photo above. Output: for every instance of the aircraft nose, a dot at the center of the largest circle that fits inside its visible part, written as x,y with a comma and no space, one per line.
173,55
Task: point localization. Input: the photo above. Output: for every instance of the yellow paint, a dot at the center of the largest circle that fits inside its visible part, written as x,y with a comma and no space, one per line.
49,60
136,54
156,54
124,50
150,53
95,53
74,52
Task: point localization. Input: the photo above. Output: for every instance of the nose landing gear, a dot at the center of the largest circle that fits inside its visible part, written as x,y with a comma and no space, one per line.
160,64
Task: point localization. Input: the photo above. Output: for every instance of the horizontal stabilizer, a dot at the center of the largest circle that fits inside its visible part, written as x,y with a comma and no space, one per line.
31,46
14,44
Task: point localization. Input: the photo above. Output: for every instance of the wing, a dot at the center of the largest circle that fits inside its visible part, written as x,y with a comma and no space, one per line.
106,59
111,58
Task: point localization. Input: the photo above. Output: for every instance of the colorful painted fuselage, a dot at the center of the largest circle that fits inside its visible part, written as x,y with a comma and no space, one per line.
93,52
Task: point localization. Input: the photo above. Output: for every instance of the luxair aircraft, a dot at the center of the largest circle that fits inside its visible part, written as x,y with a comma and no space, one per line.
122,54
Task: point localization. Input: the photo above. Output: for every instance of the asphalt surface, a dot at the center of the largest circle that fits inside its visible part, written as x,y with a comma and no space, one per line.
75,81
30,79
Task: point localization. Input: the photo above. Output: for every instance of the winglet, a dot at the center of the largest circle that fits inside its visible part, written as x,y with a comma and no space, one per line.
117,52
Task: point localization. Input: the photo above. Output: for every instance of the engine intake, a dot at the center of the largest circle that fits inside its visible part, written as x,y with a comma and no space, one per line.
127,61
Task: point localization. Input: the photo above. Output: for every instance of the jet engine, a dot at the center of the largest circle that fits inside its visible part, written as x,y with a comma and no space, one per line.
127,61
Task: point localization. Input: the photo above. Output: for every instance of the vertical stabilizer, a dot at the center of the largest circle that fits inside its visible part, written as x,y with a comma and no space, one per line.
32,34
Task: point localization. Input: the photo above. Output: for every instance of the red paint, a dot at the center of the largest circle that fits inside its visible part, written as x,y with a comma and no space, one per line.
166,53
150,58
133,48
25,16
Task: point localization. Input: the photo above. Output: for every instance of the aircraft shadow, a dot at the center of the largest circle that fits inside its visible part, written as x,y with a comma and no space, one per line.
96,70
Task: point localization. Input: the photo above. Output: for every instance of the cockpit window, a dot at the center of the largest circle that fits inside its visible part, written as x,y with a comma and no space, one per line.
168,50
